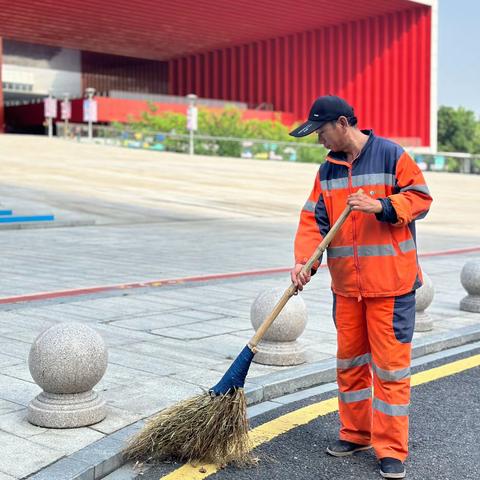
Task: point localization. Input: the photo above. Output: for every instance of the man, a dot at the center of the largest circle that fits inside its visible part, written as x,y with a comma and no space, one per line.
373,265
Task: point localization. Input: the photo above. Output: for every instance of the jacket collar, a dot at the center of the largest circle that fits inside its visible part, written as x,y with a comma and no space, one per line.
340,158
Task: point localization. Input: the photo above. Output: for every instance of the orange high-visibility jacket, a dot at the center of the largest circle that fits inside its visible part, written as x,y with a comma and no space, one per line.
372,255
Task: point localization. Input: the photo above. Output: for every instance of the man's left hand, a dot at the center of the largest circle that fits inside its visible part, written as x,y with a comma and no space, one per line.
362,202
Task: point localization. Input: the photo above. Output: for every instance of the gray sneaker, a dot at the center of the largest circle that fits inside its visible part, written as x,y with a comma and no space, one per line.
392,468
342,448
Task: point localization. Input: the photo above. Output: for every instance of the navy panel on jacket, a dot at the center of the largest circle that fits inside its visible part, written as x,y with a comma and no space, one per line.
321,217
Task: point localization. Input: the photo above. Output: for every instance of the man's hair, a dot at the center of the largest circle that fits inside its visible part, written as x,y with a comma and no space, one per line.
352,121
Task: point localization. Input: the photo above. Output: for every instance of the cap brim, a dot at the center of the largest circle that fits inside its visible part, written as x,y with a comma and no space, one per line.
306,129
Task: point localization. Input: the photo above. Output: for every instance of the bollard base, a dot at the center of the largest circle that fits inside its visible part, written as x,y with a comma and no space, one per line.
57,410
471,303
280,353
423,322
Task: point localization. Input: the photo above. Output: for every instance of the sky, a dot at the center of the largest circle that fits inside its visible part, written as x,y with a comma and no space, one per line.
459,54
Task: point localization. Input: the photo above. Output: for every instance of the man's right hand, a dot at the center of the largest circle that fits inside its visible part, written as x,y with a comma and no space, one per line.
299,278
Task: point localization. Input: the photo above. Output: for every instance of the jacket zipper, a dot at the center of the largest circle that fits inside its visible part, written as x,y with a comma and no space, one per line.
354,232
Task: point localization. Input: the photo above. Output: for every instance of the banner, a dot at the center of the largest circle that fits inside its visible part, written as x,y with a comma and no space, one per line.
66,110
90,113
192,119
50,107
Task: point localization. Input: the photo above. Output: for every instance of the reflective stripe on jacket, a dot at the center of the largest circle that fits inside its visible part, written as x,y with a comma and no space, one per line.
370,256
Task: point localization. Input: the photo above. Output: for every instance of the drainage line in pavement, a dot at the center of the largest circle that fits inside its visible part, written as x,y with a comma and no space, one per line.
182,281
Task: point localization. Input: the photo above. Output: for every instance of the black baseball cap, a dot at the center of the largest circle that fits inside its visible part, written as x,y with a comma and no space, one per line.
324,109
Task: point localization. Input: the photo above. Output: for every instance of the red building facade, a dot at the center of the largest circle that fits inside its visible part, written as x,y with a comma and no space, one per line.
280,55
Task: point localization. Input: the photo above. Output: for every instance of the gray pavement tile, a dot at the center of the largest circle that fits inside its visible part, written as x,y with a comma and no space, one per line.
67,440
17,391
115,420
202,377
21,457
122,306
20,371
4,476
223,346
7,360
152,322
26,319
145,363
16,423
221,327
180,333
199,315
23,335
176,353
114,336
8,407
231,323
147,398
122,375
68,310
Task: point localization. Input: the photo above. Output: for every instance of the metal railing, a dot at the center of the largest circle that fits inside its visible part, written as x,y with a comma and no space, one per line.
248,147
203,144
458,162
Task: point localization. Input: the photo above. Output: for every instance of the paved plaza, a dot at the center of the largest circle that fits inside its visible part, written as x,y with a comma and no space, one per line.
126,216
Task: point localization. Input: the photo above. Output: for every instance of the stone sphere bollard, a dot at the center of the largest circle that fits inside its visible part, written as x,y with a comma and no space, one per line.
423,299
470,278
67,360
279,346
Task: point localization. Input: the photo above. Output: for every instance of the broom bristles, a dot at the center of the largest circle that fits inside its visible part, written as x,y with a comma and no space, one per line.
204,428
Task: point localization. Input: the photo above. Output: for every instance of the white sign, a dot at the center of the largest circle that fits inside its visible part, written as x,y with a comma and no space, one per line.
66,110
50,107
90,111
192,119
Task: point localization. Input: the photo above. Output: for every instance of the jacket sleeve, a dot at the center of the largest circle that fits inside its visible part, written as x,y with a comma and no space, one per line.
313,225
413,200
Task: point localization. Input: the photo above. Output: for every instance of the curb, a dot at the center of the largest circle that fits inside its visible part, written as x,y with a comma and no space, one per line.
103,457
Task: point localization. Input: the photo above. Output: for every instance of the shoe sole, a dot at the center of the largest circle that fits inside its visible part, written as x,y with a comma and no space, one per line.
393,475
333,453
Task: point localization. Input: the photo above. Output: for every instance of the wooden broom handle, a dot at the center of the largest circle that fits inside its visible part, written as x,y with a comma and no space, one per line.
292,289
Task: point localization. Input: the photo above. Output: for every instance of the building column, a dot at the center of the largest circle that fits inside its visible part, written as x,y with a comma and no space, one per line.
2,113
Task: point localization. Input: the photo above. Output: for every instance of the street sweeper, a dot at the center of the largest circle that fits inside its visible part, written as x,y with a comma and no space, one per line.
374,269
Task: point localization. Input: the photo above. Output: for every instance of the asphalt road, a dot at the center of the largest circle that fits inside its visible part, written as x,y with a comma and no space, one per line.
444,439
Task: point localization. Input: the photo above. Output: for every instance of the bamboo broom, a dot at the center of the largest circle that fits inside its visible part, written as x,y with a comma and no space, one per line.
213,427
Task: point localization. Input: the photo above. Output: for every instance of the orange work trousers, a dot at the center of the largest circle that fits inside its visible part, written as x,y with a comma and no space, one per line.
374,345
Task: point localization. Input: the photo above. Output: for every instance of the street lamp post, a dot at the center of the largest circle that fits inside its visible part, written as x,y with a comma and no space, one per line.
66,111
192,120
90,92
50,115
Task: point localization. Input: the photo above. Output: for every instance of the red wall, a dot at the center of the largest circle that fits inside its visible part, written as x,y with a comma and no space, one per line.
381,65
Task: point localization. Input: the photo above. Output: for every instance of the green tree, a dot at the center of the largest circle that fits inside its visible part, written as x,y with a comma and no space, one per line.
458,130
223,123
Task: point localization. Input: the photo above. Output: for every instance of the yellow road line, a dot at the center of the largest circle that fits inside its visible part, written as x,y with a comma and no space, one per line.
270,430
445,370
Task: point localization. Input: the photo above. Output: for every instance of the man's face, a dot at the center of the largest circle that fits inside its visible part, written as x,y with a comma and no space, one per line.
331,136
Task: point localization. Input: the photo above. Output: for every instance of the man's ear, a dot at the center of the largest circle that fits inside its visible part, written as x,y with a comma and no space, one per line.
343,121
